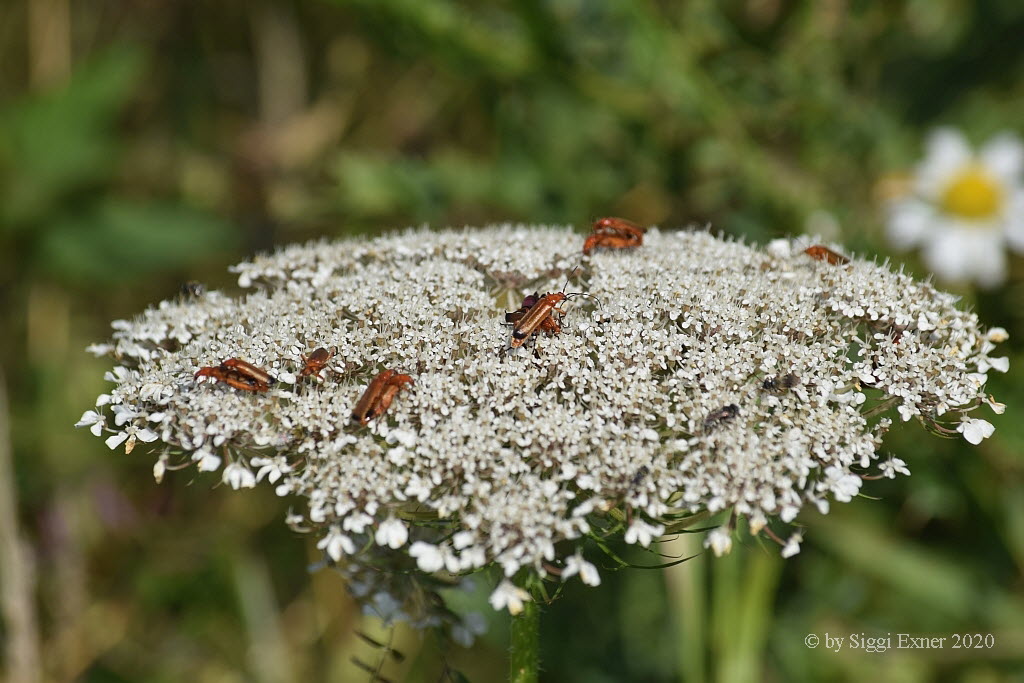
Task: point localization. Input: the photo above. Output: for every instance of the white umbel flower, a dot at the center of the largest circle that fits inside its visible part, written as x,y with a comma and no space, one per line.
94,420
643,533
392,533
965,207
575,564
974,430
792,546
238,476
428,557
510,596
336,544
720,541
668,396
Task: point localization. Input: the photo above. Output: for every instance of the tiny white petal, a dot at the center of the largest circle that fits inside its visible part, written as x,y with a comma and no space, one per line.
792,546
392,533
720,541
508,595
428,557
974,430
116,440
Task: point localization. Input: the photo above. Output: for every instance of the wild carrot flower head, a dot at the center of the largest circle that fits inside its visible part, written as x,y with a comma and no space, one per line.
712,376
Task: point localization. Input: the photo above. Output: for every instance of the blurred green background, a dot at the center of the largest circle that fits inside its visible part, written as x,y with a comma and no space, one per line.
146,143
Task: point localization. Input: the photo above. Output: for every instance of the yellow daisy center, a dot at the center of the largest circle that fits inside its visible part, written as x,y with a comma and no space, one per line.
973,194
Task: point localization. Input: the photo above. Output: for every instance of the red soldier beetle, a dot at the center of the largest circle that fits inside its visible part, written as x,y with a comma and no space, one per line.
249,370
315,362
239,374
528,302
614,233
548,324
820,253
378,396
536,316
389,393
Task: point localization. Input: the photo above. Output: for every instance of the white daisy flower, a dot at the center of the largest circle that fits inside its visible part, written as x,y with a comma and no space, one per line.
964,207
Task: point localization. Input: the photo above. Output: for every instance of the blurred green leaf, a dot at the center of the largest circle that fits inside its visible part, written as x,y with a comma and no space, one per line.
56,142
121,239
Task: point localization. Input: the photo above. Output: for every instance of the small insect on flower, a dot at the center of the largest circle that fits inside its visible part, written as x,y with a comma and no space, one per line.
239,374
820,253
378,396
614,233
191,289
639,476
781,384
314,363
721,415
539,313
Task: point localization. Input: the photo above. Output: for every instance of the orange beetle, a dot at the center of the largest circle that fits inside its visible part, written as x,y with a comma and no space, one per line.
614,233
378,396
820,253
548,324
314,363
528,302
239,374
541,315
544,309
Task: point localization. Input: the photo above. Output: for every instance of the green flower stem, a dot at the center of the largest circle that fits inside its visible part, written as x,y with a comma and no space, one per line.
524,660
744,586
688,594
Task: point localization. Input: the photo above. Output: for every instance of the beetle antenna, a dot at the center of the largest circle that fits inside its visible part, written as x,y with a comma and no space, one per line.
569,278
589,296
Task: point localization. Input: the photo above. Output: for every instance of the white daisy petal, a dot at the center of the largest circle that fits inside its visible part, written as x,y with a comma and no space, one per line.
909,222
947,152
984,258
1014,221
1003,156
947,254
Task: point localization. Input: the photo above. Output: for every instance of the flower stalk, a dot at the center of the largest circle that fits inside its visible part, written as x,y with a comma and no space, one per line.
524,645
